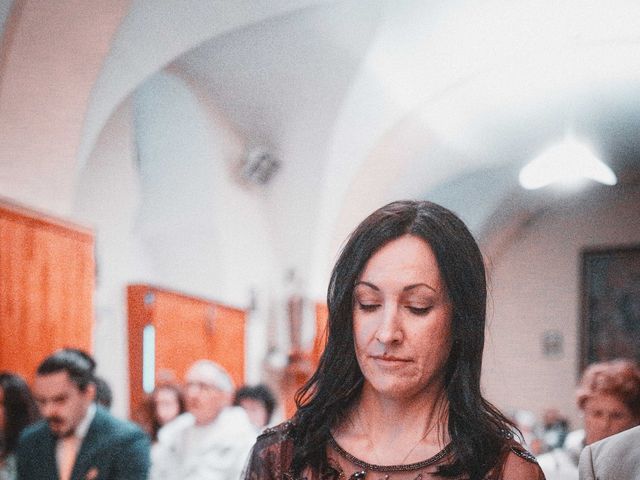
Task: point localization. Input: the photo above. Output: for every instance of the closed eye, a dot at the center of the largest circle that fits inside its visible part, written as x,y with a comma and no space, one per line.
419,310
368,307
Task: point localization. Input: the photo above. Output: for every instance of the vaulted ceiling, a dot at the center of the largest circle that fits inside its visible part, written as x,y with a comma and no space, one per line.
362,102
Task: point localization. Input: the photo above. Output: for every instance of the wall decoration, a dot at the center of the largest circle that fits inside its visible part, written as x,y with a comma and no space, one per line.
610,304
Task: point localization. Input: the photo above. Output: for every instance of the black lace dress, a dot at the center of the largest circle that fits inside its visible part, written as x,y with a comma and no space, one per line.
273,452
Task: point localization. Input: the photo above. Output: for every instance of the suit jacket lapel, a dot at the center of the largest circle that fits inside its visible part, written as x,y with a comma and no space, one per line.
88,448
49,453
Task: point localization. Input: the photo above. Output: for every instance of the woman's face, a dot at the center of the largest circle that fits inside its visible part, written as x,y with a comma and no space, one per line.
402,320
606,415
256,411
167,405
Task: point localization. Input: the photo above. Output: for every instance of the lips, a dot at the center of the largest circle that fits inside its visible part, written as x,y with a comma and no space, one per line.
390,359
55,422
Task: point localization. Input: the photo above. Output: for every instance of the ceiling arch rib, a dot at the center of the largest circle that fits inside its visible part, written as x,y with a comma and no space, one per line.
283,83
138,50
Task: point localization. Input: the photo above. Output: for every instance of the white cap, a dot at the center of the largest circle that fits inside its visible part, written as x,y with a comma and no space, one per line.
210,372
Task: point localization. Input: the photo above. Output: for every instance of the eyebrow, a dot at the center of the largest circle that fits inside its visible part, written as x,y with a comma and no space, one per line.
405,289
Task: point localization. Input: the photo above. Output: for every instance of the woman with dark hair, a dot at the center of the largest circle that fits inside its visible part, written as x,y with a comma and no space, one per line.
17,410
163,405
258,401
397,391
168,403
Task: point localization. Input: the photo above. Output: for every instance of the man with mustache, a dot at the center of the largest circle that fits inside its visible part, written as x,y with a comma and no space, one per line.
78,440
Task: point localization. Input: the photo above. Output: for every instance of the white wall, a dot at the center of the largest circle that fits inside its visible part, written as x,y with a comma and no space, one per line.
107,199
158,181
192,206
535,287
52,54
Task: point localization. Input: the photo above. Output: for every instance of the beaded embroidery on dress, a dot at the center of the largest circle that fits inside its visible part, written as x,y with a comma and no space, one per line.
272,457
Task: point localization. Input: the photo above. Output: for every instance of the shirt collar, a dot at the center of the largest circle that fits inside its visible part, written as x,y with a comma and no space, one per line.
83,426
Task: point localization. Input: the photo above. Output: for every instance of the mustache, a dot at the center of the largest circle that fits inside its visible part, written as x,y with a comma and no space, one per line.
54,419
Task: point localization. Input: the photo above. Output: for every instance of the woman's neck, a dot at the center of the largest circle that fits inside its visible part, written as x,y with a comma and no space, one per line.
389,431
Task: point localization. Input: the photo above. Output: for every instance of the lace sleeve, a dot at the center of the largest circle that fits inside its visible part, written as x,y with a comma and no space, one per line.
271,455
519,464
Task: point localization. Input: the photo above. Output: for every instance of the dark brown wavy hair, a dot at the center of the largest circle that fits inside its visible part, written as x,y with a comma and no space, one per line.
20,410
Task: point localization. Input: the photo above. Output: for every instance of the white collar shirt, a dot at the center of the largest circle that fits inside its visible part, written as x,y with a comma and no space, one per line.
79,433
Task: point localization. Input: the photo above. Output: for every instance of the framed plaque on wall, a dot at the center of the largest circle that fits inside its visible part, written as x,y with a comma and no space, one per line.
610,304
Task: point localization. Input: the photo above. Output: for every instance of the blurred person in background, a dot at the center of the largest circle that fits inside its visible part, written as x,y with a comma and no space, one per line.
212,440
555,428
259,403
77,439
609,398
160,407
17,410
167,402
528,425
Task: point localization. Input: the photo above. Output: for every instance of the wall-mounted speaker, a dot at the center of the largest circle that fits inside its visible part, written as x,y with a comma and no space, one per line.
259,166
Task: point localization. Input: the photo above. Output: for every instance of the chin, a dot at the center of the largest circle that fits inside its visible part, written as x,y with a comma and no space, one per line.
403,387
396,388
60,433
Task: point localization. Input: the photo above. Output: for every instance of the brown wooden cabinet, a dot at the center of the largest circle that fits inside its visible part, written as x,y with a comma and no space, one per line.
186,329
47,279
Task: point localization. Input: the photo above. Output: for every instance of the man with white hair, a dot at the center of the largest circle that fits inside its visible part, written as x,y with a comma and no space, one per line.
212,440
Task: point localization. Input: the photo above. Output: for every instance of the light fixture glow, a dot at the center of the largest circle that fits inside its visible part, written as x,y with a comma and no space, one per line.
568,162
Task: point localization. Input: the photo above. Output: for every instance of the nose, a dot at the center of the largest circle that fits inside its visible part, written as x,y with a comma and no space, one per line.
191,391
47,410
389,330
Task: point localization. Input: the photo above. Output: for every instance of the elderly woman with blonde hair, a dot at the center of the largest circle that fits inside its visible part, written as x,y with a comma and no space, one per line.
609,397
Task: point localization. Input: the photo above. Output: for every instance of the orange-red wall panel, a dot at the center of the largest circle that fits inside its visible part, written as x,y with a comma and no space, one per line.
300,369
46,287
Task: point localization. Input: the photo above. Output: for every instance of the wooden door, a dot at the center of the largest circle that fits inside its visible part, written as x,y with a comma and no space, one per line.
187,329
46,287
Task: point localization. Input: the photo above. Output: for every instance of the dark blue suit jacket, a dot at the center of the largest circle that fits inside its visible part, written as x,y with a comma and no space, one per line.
112,450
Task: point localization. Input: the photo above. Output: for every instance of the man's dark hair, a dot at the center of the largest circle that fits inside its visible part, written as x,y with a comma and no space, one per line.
478,430
78,364
261,393
104,396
